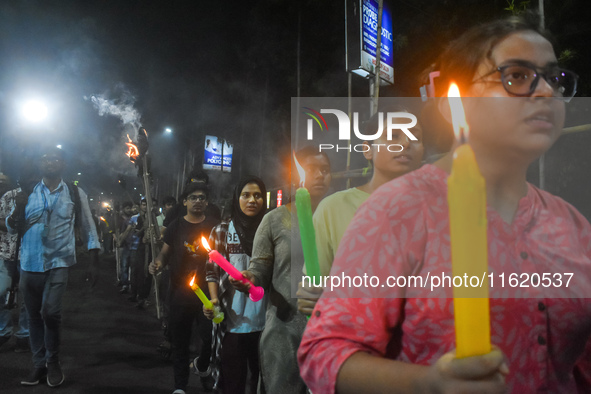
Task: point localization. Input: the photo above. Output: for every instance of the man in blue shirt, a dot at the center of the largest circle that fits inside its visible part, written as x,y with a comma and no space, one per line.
48,249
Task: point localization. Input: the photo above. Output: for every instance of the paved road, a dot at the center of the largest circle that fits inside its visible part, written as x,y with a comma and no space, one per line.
108,346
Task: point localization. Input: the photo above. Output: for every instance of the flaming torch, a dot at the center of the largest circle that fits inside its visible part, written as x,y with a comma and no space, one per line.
256,293
466,198
132,150
135,153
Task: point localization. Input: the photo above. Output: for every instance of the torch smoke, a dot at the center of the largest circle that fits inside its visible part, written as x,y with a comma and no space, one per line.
122,108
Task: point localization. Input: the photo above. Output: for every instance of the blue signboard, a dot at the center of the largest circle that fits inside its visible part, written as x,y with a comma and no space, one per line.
212,157
369,35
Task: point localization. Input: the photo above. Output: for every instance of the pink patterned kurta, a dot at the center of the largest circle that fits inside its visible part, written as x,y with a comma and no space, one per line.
403,229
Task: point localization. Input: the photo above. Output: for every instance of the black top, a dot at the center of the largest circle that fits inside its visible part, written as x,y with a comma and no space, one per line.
187,260
179,210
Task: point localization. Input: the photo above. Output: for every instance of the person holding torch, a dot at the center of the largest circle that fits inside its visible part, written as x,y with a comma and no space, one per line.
187,259
359,340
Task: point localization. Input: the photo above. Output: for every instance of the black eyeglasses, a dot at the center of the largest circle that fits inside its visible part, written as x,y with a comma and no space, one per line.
194,198
521,79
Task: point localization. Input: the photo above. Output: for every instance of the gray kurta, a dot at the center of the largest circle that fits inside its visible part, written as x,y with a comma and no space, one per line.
271,264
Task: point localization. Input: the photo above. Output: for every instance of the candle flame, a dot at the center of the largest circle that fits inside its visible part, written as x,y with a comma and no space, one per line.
458,117
132,151
301,171
193,280
205,244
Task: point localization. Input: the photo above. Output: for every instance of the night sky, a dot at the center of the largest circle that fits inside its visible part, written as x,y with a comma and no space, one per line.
226,68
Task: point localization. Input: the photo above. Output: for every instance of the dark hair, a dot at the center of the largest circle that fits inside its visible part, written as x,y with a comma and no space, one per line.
197,174
193,187
127,204
461,58
169,200
303,153
458,62
246,226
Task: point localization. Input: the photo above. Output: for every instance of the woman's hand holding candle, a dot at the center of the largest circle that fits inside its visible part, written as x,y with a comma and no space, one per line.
256,293
450,374
242,286
307,298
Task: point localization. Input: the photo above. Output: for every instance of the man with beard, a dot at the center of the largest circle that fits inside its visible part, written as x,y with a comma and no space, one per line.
48,249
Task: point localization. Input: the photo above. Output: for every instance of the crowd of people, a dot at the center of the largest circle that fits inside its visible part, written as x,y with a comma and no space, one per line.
322,340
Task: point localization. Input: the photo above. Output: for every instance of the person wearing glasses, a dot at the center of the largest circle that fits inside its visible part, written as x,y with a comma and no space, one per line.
48,249
186,257
359,340
212,210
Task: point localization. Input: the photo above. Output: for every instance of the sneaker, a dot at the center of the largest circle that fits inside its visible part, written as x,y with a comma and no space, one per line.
22,345
178,391
124,290
35,376
55,376
196,370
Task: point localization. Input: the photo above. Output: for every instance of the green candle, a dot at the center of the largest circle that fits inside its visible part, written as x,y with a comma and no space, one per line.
307,233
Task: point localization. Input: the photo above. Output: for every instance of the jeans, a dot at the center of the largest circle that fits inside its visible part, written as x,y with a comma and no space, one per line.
43,293
8,271
182,317
240,352
141,280
125,264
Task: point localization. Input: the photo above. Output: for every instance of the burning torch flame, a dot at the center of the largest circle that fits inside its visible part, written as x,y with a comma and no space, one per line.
103,219
106,205
132,151
193,280
301,171
205,244
458,118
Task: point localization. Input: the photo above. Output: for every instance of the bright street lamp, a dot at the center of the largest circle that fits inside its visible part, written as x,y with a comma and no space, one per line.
34,111
168,130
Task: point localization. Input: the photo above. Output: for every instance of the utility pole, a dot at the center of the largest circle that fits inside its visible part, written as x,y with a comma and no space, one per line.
374,85
542,159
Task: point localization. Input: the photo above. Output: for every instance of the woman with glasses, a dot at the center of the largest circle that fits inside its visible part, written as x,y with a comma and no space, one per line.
237,337
372,343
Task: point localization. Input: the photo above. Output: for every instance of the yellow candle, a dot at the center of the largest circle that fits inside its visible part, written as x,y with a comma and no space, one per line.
218,315
466,197
202,296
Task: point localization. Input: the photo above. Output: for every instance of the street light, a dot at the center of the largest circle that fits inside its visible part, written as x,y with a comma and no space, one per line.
34,111
168,130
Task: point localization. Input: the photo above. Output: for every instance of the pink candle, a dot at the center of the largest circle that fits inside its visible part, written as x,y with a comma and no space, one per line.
255,292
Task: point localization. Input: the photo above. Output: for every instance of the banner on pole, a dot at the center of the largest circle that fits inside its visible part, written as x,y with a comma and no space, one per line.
216,149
